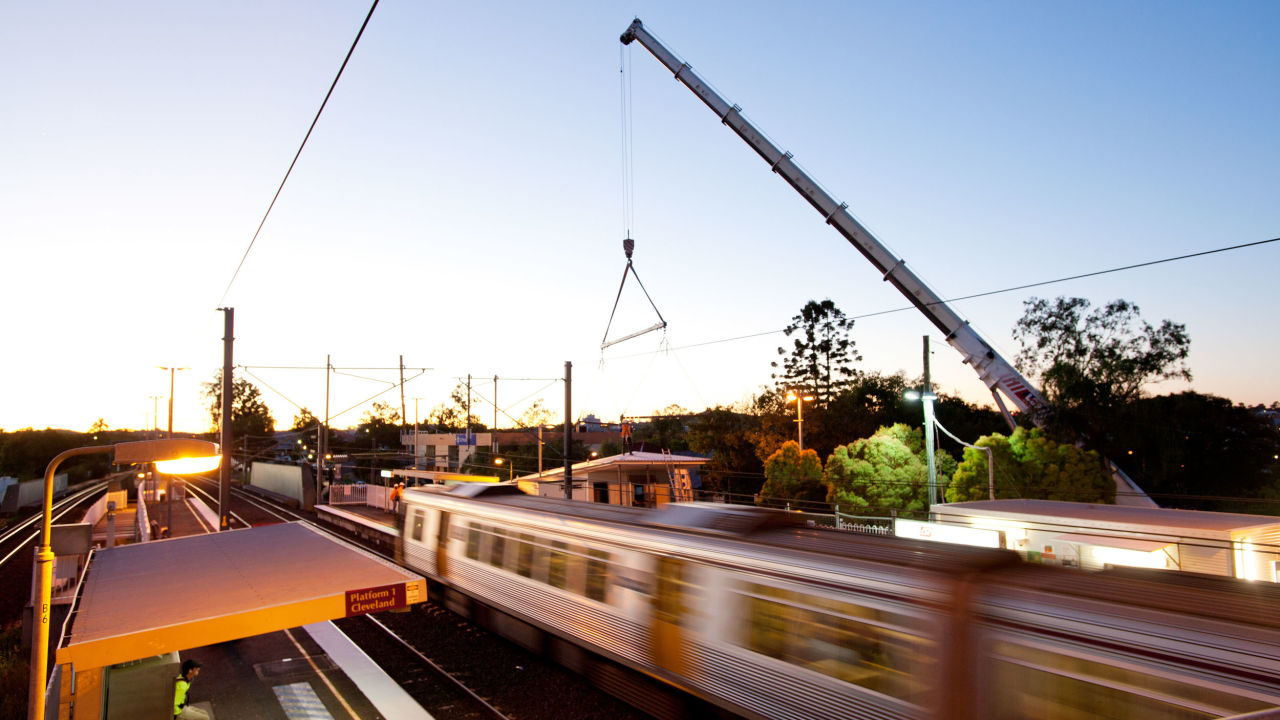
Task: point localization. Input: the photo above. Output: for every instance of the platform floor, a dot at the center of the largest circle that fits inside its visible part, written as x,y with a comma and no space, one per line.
289,675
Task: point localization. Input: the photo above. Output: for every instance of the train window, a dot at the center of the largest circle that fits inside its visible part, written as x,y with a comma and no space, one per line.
524,555
473,541
558,565
869,647
597,574
672,592
497,546
1043,684
418,522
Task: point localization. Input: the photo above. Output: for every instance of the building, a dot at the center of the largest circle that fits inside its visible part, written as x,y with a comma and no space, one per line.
1095,537
639,479
454,452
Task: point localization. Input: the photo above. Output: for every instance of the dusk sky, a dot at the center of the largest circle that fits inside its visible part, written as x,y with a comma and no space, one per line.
460,202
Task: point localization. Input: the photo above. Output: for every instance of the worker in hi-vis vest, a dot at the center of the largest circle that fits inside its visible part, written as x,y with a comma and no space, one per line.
190,669
626,436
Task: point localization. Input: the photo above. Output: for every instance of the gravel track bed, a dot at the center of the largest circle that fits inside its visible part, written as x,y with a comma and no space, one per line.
522,685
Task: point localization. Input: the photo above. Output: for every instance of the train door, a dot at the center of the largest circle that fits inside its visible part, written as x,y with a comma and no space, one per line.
442,545
671,615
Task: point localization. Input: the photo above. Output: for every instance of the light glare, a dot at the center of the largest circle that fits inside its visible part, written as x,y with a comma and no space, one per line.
189,465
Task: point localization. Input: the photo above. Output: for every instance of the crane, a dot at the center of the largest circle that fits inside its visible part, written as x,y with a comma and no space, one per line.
994,371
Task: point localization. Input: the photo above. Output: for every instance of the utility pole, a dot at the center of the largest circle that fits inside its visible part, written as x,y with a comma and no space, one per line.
224,486
322,442
927,397
468,417
155,416
493,445
404,412
568,429
415,433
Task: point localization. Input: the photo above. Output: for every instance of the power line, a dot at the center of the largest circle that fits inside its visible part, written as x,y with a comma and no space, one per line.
973,296
299,153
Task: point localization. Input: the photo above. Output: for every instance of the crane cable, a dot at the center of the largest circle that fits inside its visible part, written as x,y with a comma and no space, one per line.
628,202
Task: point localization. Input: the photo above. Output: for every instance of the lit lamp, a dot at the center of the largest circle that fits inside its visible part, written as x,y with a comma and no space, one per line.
175,456
799,401
511,468
927,399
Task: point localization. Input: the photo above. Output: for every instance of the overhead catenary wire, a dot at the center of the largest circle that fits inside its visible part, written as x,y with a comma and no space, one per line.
298,154
981,294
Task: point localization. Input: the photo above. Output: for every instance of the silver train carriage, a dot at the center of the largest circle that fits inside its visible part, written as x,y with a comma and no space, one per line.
753,611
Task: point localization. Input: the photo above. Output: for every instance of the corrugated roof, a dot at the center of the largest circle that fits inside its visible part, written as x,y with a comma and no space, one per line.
157,597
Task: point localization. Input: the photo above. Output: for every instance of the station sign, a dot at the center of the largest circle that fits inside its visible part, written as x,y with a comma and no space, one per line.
377,599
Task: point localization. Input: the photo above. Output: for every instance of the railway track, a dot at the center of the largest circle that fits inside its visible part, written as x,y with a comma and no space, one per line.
18,543
449,665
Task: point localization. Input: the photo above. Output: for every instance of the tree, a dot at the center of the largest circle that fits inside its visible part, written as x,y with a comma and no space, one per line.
791,474
536,415
821,358
304,420
1200,452
1088,364
249,414
725,433
381,425
665,430
888,470
98,426
1030,465
453,416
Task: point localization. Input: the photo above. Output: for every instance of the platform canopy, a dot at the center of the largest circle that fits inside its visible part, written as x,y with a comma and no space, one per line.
169,595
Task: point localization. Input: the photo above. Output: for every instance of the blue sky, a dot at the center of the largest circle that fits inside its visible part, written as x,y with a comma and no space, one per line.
460,201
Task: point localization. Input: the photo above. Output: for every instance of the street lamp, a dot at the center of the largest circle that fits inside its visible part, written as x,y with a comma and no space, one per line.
927,398
511,468
172,456
799,401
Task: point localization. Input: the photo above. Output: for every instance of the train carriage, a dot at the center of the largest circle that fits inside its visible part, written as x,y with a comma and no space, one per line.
753,611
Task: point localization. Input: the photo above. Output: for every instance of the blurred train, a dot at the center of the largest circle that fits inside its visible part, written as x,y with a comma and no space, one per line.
758,615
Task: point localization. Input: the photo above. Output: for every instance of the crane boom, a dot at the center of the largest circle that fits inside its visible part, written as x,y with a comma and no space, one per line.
992,369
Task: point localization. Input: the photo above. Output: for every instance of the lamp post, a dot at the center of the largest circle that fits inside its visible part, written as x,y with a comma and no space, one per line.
171,370
511,468
927,398
799,400
172,456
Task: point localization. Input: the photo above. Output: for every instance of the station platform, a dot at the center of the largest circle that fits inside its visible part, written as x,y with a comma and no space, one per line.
368,523
252,606
313,673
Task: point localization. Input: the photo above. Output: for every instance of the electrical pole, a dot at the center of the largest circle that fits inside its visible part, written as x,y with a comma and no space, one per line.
404,411
415,433
494,435
224,487
468,419
927,397
322,442
568,429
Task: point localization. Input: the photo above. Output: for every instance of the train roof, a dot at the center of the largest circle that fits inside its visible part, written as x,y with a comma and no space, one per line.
776,528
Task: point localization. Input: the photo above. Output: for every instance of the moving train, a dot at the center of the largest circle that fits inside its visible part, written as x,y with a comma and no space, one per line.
759,615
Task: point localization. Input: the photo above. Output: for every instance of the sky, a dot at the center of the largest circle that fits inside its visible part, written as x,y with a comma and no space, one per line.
462,200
